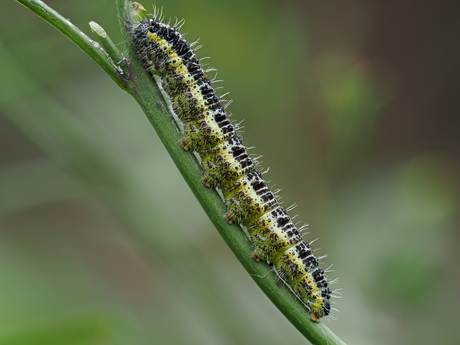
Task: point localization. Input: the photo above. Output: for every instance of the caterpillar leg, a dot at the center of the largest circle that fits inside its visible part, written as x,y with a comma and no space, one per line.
185,144
205,181
229,217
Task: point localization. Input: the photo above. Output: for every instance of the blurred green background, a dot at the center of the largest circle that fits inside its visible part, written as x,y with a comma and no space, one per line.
354,106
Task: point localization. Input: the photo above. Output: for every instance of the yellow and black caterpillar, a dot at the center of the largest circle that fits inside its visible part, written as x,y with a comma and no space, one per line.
227,165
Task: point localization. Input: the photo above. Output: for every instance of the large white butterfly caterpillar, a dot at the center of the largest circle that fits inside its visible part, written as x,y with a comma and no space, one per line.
226,163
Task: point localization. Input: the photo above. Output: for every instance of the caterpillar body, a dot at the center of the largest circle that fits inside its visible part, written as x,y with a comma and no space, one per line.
226,163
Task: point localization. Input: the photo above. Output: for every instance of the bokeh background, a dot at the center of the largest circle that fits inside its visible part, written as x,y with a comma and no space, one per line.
354,106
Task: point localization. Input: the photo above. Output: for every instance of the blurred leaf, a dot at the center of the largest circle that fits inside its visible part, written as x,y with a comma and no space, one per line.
429,188
88,330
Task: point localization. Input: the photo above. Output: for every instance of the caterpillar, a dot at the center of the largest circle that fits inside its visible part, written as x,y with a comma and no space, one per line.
168,57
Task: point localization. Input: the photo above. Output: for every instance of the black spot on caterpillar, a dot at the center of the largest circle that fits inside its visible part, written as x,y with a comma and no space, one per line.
226,163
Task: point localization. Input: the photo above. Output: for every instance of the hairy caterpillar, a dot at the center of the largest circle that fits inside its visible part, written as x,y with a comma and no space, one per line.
226,163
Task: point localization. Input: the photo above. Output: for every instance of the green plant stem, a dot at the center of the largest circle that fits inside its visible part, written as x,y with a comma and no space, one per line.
148,96
108,46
